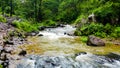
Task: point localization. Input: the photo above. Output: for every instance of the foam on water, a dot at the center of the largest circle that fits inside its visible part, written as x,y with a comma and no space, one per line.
81,61
55,33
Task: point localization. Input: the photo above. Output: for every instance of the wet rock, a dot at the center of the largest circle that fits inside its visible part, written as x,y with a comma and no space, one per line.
11,19
60,25
34,33
113,56
3,26
8,49
70,34
5,62
95,41
41,28
23,53
40,35
81,53
10,42
1,48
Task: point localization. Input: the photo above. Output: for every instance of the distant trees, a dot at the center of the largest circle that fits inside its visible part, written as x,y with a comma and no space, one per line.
7,6
62,10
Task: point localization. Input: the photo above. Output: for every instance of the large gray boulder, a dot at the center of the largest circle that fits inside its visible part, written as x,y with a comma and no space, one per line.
95,41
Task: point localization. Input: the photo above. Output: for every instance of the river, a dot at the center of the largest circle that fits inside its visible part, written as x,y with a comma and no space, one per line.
56,49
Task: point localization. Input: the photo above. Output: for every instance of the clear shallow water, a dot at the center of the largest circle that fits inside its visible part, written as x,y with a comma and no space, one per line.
57,50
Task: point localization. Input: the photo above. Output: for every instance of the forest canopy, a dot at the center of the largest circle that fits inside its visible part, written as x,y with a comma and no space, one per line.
106,11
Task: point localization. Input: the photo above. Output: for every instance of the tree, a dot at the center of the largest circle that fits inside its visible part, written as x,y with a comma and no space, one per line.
11,7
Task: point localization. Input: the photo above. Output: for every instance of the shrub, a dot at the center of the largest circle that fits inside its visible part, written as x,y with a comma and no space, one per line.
25,26
116,32
77,33
81,19
2,19
49,23
98,30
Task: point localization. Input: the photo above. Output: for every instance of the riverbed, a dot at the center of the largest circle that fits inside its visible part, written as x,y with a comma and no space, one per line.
56,49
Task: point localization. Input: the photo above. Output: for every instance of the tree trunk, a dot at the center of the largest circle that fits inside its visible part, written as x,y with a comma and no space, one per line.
11,7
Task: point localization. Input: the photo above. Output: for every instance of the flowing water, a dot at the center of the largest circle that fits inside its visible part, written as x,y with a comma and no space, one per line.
55,49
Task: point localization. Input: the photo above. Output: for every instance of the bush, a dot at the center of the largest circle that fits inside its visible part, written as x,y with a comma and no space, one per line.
98,30
116,32
25,26
49,23
81,19
2,19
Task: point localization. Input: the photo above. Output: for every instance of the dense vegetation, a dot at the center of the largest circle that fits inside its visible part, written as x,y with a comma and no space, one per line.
99,29
51,12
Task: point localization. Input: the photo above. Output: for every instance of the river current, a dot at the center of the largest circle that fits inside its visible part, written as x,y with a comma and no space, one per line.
56,49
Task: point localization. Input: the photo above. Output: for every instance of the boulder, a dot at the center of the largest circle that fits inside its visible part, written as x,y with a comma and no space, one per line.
10,42
95,41
23,53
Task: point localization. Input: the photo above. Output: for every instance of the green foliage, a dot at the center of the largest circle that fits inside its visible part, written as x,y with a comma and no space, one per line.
49,23
81,19
2,19
26,26
1,66
77,32
84,38
116,32
68,10
63,10
99,30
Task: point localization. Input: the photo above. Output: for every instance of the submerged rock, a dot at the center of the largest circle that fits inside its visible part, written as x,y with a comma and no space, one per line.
113,56
95,41
81,53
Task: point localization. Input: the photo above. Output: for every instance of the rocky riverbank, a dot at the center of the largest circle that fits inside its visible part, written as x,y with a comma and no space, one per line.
10,39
